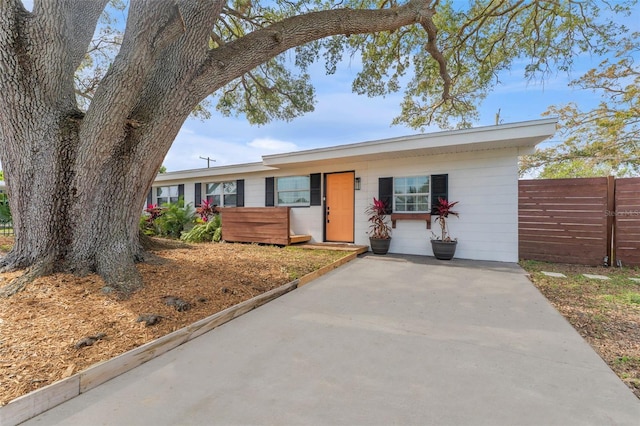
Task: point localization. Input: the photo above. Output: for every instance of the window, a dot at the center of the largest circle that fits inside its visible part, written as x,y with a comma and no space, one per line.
293,191
411,194
167,194
223,194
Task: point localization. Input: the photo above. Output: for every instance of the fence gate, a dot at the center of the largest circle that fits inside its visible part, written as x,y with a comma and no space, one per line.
626,248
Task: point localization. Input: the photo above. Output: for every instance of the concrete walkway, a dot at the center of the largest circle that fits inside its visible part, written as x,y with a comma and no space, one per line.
381,341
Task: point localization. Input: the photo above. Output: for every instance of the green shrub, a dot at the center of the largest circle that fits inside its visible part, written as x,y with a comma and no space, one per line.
175,218
5,211
146,226
147,222
210,230
217,236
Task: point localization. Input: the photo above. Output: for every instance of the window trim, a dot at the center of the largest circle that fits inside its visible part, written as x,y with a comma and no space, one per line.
169,198
278,191
222,193
423,194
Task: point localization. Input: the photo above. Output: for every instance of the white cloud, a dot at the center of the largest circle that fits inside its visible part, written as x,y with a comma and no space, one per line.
190,145
272,145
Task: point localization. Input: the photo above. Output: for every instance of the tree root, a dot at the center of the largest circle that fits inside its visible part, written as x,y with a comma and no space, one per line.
12,262
20,283
117,270
119,273
15,286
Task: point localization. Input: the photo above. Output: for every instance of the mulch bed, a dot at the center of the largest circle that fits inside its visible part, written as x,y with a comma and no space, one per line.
62,324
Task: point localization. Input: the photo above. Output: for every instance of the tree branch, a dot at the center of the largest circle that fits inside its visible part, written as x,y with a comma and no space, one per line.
151,27
224,64
84,18
74,21
436,54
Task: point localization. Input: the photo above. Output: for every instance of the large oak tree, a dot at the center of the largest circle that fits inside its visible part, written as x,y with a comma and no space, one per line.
78,169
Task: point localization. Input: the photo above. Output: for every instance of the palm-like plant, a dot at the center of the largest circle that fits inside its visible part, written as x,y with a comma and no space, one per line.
444,209
379,227
174,218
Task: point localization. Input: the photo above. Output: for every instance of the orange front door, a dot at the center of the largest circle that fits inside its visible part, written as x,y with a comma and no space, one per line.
339,207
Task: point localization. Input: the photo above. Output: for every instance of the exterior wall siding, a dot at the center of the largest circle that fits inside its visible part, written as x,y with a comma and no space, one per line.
484,182
486,185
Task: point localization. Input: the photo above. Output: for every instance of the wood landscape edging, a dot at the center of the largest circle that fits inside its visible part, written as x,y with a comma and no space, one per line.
327,268
40,400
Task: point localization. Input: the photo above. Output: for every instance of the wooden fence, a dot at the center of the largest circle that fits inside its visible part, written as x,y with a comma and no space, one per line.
626,217
585,221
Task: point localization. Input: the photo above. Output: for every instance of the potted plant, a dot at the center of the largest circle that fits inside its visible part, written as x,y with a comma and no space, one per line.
379,230
444,247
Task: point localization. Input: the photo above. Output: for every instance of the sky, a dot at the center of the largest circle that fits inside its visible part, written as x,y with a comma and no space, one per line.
342,117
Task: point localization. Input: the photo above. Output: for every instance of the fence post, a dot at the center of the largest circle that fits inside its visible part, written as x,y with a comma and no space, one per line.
610,212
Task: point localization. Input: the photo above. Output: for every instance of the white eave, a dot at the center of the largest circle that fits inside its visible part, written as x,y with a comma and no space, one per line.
523,135
230,170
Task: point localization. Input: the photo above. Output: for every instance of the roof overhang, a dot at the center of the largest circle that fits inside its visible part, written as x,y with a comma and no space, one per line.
231,170
524,136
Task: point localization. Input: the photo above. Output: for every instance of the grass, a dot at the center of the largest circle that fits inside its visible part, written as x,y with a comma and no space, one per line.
605,312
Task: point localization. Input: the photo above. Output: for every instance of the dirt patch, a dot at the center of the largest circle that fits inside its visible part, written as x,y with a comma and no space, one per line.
63,324
606,313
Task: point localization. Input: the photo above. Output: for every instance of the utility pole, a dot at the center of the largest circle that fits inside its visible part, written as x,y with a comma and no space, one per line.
209,160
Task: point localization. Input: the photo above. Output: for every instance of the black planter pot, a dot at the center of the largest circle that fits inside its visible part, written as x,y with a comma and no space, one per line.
443,250
379,245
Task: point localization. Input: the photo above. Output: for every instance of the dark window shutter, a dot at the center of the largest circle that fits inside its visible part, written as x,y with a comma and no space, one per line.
315,187
149,198
181,194
269,192
240,193
439,189
385,192
198,194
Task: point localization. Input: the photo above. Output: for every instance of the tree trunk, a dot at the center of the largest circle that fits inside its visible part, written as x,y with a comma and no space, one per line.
78,218
77,181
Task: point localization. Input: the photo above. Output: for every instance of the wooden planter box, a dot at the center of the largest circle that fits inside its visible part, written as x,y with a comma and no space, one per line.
266,225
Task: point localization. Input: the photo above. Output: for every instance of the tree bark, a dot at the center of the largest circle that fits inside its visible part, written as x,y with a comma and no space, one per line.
77,182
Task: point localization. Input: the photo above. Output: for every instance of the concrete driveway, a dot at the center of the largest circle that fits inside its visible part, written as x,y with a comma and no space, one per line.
383,340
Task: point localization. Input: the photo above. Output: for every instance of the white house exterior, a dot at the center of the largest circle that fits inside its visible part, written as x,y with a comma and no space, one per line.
478,167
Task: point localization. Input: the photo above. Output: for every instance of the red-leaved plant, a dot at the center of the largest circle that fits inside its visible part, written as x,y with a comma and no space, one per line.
444,209
207,210
379,227
154,212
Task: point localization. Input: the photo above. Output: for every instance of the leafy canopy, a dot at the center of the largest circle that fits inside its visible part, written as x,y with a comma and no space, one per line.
605,140
445,71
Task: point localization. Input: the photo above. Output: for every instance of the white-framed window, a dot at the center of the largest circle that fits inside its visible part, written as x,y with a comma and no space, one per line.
223,194
411,194
167,194
293,191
